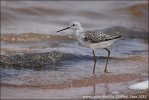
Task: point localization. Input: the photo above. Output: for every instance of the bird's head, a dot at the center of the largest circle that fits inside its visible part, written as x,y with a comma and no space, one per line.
74,26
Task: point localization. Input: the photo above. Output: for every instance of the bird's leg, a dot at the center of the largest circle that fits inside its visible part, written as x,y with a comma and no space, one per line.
94,61
107,60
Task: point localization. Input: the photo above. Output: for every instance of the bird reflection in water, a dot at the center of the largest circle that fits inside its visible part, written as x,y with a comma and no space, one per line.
106,86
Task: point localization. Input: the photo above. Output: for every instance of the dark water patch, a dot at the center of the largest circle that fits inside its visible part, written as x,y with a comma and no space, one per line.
74,57
39,61
136,52
53,60
36,60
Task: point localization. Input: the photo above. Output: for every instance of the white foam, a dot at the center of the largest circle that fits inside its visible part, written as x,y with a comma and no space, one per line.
141,85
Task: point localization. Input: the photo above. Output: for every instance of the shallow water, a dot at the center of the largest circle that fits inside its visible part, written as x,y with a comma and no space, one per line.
75,63
29,28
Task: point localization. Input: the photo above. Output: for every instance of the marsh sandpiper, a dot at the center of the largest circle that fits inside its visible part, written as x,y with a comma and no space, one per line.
93,39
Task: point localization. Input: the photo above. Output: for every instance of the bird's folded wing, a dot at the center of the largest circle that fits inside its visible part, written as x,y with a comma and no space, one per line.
96,37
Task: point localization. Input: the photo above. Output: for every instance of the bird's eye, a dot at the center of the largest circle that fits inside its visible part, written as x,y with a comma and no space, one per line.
73,24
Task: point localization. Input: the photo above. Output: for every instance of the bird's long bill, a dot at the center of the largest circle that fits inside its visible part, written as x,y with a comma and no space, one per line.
64,29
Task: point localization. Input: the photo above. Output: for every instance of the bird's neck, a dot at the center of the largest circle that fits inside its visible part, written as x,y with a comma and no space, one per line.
78,33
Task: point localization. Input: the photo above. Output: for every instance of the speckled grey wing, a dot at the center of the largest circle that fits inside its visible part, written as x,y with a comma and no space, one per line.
96,37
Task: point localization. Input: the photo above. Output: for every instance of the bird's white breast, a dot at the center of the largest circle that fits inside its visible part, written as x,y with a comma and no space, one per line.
103,44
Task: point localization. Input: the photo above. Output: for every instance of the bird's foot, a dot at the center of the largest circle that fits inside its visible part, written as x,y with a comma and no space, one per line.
105,71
